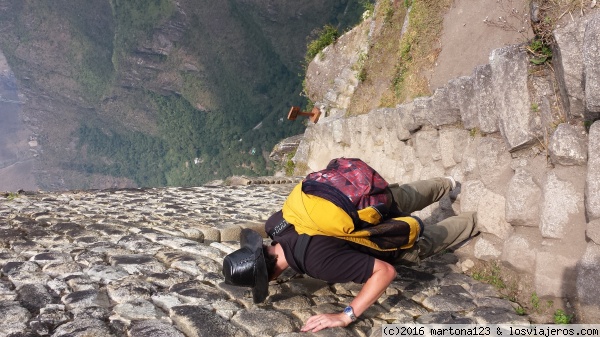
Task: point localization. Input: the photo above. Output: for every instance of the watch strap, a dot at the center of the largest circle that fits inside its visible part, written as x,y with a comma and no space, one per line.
349,311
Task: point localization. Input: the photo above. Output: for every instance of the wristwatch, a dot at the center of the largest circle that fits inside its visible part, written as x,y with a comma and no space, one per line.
350,312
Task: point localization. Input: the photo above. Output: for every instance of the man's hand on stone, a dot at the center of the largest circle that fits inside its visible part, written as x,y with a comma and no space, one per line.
322,321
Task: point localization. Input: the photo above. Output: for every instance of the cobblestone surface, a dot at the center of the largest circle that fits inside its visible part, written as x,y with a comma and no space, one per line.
144,263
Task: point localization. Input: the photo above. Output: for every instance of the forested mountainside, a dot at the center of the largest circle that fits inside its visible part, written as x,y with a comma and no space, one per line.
160,92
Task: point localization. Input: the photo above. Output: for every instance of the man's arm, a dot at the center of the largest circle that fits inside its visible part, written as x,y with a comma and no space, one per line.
383,274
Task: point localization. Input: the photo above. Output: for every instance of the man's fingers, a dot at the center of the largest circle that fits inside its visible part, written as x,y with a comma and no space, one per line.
320,325
323,321
315,323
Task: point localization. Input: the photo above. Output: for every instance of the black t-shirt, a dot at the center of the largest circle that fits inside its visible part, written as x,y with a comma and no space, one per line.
331,259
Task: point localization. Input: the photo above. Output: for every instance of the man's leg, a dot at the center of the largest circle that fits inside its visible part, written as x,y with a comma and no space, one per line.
417,195
445,234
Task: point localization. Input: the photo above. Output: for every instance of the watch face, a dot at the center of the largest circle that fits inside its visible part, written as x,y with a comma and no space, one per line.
348,311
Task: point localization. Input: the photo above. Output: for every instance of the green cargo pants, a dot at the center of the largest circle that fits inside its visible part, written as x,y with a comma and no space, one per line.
415,196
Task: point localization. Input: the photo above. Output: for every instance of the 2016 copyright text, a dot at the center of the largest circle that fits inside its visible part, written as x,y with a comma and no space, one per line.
489,330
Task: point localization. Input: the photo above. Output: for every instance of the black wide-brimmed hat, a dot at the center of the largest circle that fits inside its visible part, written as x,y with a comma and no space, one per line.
246,266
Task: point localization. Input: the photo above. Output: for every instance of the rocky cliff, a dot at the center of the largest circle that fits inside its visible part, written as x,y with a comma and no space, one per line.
112,90
521,139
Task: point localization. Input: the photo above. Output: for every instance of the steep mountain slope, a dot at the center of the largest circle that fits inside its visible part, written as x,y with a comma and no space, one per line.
154,93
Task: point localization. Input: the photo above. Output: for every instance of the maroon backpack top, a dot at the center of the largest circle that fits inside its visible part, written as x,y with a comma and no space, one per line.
357,180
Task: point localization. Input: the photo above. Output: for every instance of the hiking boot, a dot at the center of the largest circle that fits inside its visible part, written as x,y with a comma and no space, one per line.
452,183
454,188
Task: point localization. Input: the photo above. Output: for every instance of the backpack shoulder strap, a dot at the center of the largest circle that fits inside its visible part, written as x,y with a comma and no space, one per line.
301,243
300,251
278,229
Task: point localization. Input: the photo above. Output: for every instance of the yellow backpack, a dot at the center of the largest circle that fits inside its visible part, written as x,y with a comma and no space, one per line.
318,209
314,215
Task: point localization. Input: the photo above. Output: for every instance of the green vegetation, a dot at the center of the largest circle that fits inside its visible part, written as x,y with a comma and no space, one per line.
186,153
491,275
376,67
541,52
588,123
474,132
289,164
535,305
231,134
560,317
388,15
403,66
325,36
110,153
394,70
505,281
368,6
91,46
535,301
211,105
135,20
361,74
85,44
10,196
418,49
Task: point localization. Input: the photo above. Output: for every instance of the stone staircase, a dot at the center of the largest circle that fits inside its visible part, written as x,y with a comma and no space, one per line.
524,141
147,263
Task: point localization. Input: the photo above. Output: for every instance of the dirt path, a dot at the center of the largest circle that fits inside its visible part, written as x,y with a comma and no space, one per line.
467,40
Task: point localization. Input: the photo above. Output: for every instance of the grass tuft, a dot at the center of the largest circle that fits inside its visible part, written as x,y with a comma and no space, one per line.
325,36
560,317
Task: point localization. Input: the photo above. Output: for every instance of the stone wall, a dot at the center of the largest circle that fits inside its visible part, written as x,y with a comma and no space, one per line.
522,141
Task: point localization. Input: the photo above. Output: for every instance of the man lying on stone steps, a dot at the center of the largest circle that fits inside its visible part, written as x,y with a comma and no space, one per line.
344,259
